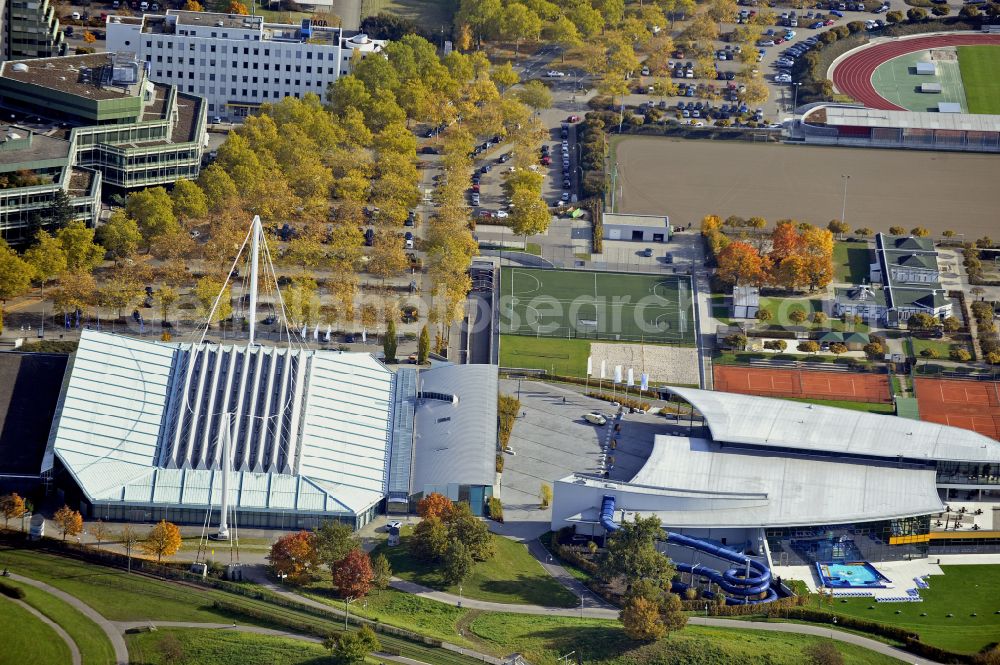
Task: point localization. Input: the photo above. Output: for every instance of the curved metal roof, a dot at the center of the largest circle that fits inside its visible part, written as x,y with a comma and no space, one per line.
778,423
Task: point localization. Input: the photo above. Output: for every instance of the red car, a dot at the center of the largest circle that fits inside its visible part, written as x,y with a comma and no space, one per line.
573,118
829,21
475,188
546,160
485,214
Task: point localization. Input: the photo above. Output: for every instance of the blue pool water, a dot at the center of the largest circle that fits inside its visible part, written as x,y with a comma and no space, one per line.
858,574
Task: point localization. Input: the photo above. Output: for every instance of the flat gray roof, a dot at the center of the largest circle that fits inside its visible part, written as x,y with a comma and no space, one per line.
455,426
777,423
860,117
79,75
791,490
619,219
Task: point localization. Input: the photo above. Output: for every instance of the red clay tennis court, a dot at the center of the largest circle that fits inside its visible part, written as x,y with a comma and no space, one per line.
767,382
972,405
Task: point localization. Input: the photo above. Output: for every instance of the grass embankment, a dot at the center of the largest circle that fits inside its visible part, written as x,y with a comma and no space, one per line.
94,646
962,591
221,647
851,261
544,639
565,357
25,640
979,66
403,610
511,576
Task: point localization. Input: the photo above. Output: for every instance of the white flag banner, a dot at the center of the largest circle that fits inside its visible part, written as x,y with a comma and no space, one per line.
631,378
590,365
305,332
316,332
604,370
329,331
364,335
618,373
644,381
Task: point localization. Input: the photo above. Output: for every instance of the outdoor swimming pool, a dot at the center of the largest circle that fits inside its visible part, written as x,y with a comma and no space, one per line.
855,574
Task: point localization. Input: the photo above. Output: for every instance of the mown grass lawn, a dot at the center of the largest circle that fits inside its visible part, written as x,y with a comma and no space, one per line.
25,640
961,591
979,66
544,639
197,646
511,576
566,357
942,347
115,594
95,648
851,261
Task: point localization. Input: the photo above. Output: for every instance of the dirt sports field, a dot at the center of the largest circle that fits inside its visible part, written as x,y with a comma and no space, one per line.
851,386
688,179
973,405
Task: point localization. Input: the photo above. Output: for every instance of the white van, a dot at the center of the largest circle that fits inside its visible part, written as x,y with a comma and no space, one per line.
595,418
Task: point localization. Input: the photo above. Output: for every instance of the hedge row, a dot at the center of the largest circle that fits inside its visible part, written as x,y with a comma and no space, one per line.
624,401
11,591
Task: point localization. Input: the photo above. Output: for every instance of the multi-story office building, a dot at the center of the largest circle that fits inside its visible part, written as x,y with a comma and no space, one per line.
34,170
102,117
238,62
31,30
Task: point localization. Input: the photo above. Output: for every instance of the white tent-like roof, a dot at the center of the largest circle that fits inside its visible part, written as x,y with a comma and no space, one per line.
139,423
803,427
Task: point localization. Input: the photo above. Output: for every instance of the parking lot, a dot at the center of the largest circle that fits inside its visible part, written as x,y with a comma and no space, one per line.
552,440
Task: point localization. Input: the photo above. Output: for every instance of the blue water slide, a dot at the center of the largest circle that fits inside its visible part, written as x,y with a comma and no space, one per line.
750,579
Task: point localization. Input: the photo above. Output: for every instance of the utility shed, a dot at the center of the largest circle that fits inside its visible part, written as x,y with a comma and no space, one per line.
926,68
949,107
930,87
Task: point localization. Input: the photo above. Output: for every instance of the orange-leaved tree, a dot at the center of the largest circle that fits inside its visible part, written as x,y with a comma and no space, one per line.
295,557
741,263
164,539
11,505
434,505
353,574
69,521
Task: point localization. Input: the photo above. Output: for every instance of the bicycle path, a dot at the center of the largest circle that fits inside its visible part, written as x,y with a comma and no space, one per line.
74,651
115,637
132,625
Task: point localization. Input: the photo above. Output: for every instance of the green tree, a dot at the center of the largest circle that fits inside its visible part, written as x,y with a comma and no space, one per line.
389,341
429,540
535,95
190,202
797,315
457,563
218,187
423,345
153,211
915,14
82,253
46,258
563,31
206,291
808,346
518,23
120,236
15,275
351,647
382,572
632,554
504,76
334,540
672,613
166,298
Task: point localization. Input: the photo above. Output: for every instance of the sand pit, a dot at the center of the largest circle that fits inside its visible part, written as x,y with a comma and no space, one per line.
664,364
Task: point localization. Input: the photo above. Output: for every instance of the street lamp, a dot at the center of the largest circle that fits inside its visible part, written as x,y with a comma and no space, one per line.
834,625
843,209
795,103
347,610
460,595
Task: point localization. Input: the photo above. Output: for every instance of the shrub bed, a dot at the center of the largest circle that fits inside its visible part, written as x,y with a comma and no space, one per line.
627,402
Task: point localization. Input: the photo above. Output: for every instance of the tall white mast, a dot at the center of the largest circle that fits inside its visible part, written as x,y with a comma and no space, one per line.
226,464
255,234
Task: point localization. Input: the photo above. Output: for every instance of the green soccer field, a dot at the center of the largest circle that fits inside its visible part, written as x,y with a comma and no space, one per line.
614,306
979,65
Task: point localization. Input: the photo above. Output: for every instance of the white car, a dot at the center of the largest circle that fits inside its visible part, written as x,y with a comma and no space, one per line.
595,418
501,214
509,450
555,73
782,78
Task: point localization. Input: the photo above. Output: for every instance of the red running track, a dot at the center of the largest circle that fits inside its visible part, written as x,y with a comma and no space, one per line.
853,75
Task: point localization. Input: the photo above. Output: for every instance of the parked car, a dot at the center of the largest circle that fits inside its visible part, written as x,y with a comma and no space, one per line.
595,418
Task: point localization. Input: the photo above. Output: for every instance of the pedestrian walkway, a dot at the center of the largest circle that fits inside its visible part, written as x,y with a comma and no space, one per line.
74,651
117,641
